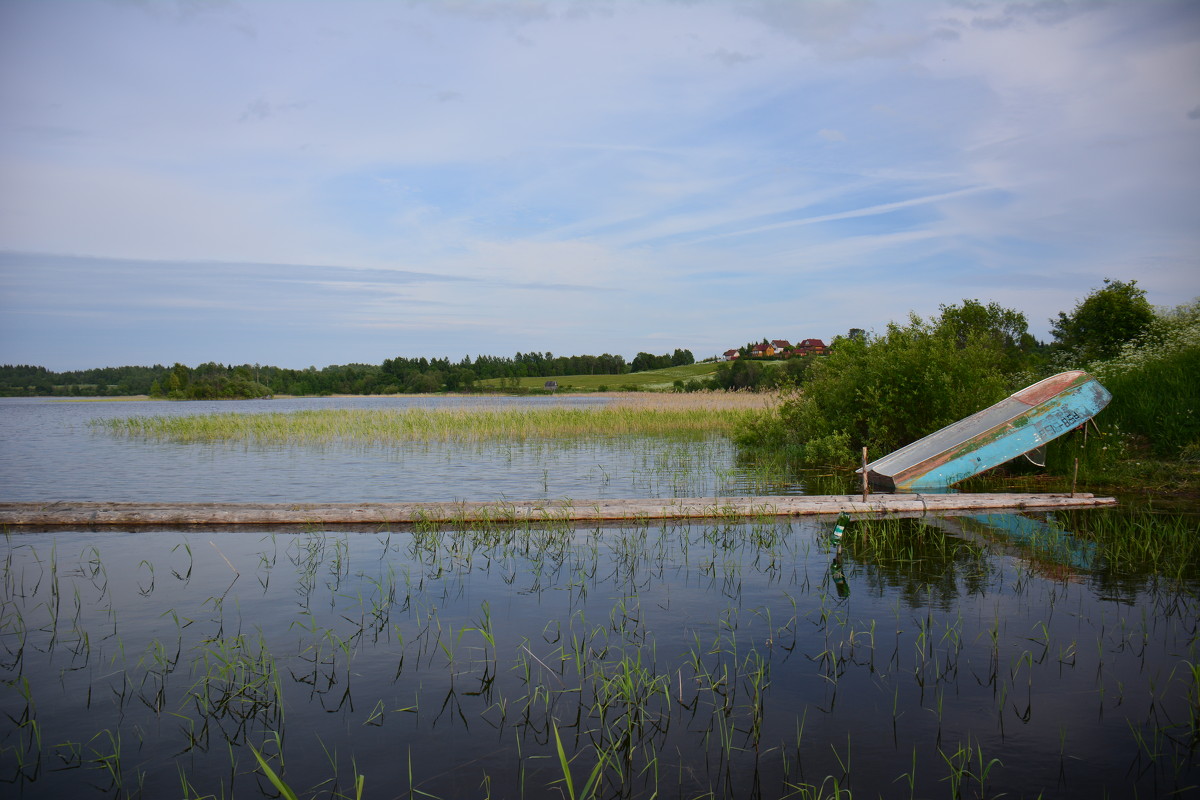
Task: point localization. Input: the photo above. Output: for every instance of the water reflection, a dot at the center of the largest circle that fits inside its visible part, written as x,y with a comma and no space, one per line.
1041,542
675,660
836,572
51,453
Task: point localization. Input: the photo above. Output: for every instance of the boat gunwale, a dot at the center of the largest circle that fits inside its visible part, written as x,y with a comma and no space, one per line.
1077,381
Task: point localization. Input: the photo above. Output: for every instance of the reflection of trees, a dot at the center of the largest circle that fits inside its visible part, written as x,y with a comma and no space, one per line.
1119,554
920,562
1138,550
786,471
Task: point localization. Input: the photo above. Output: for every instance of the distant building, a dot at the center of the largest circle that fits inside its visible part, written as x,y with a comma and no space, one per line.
762,351
732,355
552,385
811,347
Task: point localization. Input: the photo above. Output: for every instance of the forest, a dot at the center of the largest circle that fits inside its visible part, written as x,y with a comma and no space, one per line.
395,375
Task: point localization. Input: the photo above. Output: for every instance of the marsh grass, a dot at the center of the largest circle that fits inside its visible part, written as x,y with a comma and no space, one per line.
503,657
694,415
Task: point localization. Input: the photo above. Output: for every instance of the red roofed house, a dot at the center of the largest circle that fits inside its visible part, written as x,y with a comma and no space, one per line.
811,347
732,355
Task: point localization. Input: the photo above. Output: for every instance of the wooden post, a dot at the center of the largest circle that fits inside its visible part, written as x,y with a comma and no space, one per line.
864,474
1075,477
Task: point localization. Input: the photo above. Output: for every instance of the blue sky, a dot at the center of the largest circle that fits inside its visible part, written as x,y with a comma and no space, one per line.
311,183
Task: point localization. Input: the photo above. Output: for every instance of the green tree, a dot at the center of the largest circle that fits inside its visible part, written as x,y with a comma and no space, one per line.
991,326
740,374
177,381
682,358
643,361
1103,322
883,392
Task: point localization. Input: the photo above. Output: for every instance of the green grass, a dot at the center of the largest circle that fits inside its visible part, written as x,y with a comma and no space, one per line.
649,380
694,418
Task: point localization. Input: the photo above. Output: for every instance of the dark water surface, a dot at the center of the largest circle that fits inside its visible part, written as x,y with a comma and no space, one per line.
991,656
719,660
49,452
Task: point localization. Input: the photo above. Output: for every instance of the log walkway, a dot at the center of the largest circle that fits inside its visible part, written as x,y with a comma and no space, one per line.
72,514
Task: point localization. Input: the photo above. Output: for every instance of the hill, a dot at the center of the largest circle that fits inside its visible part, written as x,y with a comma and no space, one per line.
649,380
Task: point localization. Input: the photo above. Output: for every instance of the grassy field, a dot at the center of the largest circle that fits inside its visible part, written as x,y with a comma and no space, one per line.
650,380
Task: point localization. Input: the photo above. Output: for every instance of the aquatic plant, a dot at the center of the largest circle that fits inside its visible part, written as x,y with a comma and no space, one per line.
669,416
734,658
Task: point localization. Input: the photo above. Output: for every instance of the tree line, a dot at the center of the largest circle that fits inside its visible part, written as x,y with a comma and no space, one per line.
647,361
886,389
395,375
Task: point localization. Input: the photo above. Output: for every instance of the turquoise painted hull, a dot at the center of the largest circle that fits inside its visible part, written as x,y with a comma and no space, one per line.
1046,542
1033,540
1016,425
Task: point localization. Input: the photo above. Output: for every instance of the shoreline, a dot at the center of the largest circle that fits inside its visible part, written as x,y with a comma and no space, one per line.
134,397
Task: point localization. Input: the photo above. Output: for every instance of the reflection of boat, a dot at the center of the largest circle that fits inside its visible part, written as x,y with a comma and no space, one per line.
1046,541
1045,546
1015,426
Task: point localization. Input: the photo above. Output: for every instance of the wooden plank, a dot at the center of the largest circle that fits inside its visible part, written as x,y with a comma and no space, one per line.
60,514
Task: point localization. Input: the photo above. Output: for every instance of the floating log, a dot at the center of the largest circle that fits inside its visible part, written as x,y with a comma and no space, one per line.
60,514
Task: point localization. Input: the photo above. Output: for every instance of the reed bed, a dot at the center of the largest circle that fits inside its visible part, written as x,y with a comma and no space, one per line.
503,658
644,415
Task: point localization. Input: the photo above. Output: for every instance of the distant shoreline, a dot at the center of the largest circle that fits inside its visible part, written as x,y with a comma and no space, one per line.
134,397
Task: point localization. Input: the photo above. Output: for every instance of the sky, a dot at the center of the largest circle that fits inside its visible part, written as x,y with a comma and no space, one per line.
314,183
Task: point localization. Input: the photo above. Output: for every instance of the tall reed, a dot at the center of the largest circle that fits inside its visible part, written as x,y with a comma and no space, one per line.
426,424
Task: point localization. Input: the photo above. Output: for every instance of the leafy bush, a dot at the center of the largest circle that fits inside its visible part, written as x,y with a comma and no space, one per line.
1155,383
1103,322
886,391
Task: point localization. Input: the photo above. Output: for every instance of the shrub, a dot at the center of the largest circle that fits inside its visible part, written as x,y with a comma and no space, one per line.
1103,322
1155,383
883,392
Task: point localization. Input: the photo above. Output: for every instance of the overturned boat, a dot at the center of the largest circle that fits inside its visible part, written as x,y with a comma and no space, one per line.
1015,426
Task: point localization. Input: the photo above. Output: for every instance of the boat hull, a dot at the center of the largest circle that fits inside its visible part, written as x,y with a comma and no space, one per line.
1016,425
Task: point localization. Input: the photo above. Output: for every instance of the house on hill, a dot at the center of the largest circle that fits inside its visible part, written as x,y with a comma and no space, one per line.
732,355
781,345
811,347
762,351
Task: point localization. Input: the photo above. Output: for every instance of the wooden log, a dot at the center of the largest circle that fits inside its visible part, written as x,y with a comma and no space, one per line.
59,514
865,472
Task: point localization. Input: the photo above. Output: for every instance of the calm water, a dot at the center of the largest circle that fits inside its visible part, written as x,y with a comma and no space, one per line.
706,660
49,452
957,657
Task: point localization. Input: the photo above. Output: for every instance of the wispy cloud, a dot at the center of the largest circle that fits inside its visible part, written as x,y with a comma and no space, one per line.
854,213
495,176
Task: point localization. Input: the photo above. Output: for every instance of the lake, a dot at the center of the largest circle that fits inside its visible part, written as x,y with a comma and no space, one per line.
1015,655
51,453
